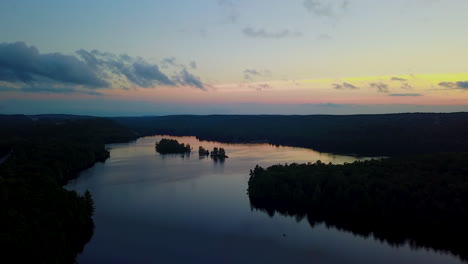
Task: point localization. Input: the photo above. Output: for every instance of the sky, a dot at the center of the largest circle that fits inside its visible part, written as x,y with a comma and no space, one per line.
124,58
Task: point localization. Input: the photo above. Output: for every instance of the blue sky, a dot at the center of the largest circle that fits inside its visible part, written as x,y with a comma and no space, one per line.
261,54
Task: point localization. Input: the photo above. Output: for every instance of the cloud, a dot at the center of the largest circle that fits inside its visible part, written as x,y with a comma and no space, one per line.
251,74
125,70
145,75
381,87
344,85
408,94
324,37
448,84
169,62
25,67
262,33
186,78
398,79
193,65
462,85
261,87
49,89
326,8
406,86
454,85
231,8
60,90
22,63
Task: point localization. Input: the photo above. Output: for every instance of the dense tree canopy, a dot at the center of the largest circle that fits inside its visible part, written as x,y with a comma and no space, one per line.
421,198
172,146
365,135
41,222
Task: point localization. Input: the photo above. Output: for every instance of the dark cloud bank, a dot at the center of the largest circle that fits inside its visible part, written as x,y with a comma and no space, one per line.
86,71
455,85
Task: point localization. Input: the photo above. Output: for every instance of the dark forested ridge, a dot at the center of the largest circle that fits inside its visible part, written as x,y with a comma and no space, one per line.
362,135
41,222
365,135
421,199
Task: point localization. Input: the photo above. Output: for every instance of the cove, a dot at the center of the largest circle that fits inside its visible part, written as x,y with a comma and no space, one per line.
153,208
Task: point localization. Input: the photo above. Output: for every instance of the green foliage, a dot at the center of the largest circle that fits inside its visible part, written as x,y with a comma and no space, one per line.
41,222
172,146
420,198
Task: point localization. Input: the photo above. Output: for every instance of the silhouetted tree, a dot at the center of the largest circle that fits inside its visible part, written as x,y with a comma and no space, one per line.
89,202
222,153
202,151
215,152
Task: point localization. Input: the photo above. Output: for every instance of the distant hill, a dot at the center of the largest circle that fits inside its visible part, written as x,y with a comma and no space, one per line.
58,117
389,135
362,135
9,122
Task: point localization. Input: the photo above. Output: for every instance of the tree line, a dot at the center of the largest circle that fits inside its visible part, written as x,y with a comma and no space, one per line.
40,221
364,135
422,199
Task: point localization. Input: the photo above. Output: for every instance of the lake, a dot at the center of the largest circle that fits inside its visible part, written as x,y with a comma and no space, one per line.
153,208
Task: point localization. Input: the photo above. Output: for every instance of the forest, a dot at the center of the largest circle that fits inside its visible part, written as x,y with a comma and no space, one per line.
360,135
40,221
172,146
422,199
215,154
412,196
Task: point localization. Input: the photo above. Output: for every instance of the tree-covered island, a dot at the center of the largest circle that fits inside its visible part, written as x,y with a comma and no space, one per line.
172,146
216,153
203,152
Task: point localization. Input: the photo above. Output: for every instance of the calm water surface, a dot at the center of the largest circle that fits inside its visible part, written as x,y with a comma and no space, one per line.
153,208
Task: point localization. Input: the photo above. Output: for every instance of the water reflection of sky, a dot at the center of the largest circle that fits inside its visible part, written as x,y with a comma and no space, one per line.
176,209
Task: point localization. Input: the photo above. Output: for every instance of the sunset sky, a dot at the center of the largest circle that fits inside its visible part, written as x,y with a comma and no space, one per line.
116,57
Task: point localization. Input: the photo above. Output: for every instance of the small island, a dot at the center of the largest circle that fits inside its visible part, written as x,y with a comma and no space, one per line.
203,152
216,153
172,146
